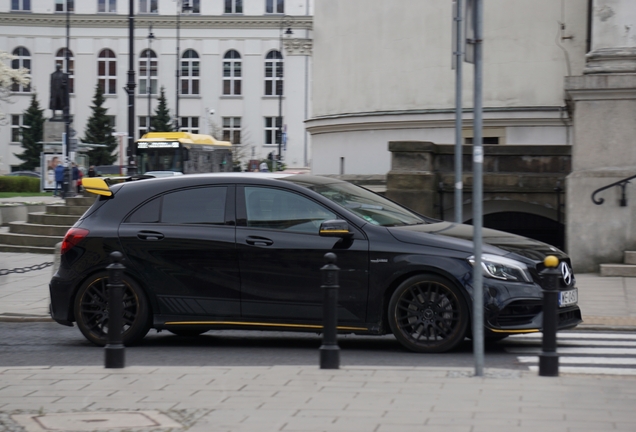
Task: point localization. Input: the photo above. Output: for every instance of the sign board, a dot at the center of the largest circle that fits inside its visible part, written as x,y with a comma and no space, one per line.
469,32
49,162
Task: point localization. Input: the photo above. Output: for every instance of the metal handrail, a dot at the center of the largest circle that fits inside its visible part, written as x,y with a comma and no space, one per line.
622,183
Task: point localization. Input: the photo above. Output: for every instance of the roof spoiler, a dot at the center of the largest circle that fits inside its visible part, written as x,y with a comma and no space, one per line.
101,185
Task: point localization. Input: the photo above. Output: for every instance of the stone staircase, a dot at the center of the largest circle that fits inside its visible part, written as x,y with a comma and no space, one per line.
43,230
628,269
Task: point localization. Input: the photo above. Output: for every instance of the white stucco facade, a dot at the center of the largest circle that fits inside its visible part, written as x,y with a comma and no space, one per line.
211,33
382,72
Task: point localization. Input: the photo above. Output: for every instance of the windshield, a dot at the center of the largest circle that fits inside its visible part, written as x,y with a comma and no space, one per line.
159,159
369,206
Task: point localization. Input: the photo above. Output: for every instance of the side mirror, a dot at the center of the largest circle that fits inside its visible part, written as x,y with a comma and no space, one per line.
335,228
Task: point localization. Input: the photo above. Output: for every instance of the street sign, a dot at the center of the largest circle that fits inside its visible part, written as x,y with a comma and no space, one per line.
469,32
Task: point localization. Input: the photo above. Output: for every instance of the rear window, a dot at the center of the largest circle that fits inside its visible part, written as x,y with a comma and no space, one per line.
189,206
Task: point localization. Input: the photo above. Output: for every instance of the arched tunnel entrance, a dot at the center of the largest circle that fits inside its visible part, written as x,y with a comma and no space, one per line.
528,225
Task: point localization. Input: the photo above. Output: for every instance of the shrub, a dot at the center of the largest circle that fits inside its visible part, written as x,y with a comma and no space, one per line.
19,184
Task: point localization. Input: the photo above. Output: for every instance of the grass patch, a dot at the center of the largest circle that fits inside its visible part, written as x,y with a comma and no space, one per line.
24,194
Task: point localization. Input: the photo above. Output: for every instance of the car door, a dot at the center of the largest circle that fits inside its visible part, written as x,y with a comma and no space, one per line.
183,245
280,255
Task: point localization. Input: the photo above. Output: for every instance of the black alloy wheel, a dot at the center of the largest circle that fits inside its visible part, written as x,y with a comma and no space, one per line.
91,310
428,314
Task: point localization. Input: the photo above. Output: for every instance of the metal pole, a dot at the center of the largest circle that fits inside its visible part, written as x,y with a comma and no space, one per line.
130,89
66,186
176,108
458,113
149,77
329,351
279,89
114,350
478,161
549,359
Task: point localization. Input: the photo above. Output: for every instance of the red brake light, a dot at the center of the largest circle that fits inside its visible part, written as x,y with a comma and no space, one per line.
72,238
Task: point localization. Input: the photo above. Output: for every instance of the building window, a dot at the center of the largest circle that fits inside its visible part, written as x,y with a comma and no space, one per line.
275,6
22,60
195,6
107,72
148,72
189,124
490,136
60,5
273,73
149,6
190,73
108,6
272,126
232,130
233,6
21,5
143,125
16,128
60,59
112,121
232,73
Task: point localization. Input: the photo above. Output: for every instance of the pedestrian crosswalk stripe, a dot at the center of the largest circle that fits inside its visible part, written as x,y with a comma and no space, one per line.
567,342
591,370
571,350
577,335
583,360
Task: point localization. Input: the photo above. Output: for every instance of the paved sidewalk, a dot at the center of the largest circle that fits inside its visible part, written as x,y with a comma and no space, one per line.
304,398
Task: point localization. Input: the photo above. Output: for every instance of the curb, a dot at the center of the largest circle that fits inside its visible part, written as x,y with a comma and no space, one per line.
25,318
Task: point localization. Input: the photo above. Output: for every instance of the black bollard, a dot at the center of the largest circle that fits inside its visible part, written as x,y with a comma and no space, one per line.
329,351
115,348
549,359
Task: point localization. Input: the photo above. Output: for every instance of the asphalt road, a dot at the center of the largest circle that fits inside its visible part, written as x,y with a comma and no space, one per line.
32,344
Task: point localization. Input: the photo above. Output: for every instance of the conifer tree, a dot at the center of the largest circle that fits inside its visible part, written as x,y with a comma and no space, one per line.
100,131
32,134
161,121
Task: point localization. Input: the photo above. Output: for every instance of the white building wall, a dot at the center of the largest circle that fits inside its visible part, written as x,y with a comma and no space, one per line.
391,62
252,38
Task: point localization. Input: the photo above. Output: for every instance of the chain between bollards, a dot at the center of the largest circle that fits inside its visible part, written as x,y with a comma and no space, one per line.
114,351
329,351
549,359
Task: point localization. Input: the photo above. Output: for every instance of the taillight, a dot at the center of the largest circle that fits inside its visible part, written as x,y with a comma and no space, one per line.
72,238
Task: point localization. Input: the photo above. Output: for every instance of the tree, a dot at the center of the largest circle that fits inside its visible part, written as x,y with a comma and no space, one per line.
99,130
32,133
10,76
161,121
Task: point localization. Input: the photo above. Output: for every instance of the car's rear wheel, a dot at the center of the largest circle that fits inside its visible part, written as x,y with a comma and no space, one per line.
91,310
428,314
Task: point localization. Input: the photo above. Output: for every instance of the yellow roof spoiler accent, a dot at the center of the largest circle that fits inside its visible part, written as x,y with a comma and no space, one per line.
96,185
184,138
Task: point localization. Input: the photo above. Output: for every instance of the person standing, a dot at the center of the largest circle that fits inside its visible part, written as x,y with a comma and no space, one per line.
59,179
74,176
91,171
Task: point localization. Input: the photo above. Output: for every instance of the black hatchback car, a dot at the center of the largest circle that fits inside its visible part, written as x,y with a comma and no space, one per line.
244,251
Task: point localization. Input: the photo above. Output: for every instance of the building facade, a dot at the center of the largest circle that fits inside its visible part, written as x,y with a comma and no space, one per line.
242,66
382,72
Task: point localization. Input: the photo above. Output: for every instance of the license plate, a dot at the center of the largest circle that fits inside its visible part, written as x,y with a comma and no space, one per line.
568,298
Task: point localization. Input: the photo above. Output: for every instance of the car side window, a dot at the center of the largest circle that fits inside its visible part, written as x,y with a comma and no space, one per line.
190,206
283,210
195,206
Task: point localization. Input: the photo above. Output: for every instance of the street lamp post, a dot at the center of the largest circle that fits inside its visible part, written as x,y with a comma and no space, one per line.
151,36
182,6
130,88
285,21
66,192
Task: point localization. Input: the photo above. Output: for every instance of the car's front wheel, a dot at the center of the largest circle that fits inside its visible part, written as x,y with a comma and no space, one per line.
91,310
428,314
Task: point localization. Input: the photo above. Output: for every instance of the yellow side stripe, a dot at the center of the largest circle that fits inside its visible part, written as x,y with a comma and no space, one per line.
311,326
515,331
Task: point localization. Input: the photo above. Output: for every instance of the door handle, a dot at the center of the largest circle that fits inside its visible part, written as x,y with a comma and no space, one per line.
149,235
258,241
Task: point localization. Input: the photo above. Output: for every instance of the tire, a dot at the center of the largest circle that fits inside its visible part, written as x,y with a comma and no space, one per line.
428,314
187,332
91,310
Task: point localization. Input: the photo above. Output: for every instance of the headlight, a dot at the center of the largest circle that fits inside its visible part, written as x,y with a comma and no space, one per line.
503,268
